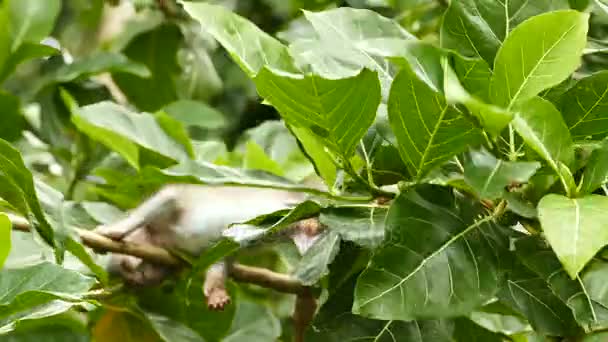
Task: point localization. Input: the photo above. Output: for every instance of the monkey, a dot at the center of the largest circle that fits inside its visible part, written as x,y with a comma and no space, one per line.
191,218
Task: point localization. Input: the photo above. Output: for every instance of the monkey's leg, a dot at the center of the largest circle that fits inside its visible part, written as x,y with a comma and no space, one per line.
214,287
160,206
136,271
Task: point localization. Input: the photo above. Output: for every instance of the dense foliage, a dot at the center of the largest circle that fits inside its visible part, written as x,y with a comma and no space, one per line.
463,145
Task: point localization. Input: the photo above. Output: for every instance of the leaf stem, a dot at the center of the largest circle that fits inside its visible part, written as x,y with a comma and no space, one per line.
512,151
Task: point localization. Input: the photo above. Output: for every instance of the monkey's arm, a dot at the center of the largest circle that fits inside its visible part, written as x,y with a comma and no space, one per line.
161,206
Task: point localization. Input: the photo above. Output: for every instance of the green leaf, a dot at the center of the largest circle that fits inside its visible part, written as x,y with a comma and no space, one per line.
428,130
494,119
543,129
439,259
17,187
31,20
256,159
99,63
582,107
499,318
26,52
361,225
540,53
39,316
490,176
324,163
338,112
477,28
335,322
351,39
157,51
576,228
195,113
236,35
529,294
31,286
10,114
594,280
125,132
207,173
540,259
5,238
314,264
169,330
186,304
255,323
596,170
64,216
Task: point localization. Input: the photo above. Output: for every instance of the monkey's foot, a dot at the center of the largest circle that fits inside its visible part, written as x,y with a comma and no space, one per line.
217,299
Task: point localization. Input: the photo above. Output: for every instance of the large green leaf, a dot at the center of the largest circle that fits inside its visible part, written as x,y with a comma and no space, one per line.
125,132
537,55
529,294
338,112
439,259
361,225
583,107
490,176
596,170
254,323
428,130
31,20
576,228
350,38
28,287
574,293
17,187
477,28
5,238
336,323
543,129
249,46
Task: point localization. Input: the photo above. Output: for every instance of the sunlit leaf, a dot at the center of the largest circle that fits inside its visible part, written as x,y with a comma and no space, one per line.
428,130
125,131
338,112
576,228
477,28
537,55
250,47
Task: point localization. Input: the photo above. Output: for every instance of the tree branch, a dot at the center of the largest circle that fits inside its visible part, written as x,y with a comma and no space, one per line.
241,273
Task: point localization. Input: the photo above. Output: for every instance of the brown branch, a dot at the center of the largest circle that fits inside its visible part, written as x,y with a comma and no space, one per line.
241,273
